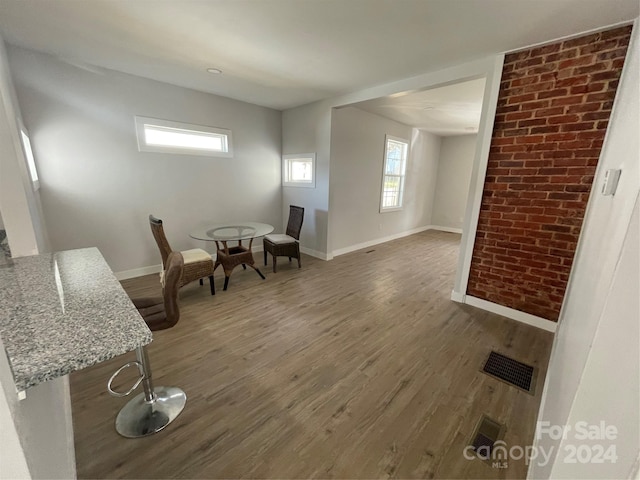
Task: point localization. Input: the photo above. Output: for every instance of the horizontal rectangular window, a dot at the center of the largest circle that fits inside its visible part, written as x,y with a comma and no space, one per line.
298,170
164,136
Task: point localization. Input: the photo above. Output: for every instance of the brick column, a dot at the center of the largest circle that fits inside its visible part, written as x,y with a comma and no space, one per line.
553,111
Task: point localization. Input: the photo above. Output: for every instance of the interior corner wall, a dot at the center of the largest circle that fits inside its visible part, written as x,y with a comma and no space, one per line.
19,203
593,372
97,189
307,129
553,111
457,154
357,153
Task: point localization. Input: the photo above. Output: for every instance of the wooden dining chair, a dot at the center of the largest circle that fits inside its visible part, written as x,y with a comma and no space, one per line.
287,244
198,264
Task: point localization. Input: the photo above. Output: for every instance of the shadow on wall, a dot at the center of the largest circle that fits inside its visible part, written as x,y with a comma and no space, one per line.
5,251
319,227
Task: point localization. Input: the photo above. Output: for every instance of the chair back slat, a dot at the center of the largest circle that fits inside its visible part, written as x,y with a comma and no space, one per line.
158,233
294,225
172,276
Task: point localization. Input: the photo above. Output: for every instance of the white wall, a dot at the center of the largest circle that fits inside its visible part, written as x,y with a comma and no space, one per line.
20,205
308,129
598,308
41,433
454,176
12,455
37,433
98,190
304,130
357,151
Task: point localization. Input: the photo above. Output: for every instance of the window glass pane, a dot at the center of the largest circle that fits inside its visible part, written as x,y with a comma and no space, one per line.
301,170
29,154
391,191
395,156
173,137
298,170
395,163
166,136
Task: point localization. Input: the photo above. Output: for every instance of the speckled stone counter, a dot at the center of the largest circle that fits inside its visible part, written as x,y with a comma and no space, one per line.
64,311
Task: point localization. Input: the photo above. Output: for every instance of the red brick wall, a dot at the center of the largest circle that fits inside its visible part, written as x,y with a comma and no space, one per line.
553,111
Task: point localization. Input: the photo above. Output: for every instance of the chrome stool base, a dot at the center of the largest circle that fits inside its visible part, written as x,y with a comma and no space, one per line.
153,409
139,418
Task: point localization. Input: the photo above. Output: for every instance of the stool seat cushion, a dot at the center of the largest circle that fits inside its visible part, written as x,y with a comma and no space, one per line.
279,238
195,255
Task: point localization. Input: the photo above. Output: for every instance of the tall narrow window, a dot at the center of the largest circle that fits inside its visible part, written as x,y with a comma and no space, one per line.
395,166
164,136
28,153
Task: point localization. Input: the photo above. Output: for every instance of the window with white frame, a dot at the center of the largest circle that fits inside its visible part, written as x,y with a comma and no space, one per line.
395,166
28,154
298,170
164,136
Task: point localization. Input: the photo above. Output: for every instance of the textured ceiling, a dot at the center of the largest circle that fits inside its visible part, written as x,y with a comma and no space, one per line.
450,110
284,53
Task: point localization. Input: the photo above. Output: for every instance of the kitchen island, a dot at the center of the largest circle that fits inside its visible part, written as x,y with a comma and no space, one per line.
64,311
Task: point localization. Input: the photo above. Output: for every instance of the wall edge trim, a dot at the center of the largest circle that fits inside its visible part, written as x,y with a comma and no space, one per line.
315,253
377,241
511,313
446,229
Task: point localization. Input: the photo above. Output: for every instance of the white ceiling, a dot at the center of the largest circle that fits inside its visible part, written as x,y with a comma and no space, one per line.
284,53
450,110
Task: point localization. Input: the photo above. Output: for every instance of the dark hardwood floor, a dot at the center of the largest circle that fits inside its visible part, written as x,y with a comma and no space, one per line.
361,367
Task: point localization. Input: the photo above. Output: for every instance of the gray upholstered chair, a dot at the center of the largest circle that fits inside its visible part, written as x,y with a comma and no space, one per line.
197,262
285,245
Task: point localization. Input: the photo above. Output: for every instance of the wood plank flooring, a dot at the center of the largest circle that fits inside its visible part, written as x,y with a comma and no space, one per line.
360,367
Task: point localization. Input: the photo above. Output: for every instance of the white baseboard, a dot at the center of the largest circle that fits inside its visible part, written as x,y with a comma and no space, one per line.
315,253
395,236
142,271
446,229
138,272
511,313
457,296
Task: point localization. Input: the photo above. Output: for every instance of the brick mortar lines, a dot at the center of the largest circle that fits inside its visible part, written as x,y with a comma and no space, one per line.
553,110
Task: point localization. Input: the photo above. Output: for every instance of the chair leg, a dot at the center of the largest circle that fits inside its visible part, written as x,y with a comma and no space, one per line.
299,262
244,266
265,257
213,287
226,282
201,282
289,259
274,263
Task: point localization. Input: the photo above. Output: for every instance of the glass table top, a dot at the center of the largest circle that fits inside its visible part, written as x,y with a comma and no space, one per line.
231,231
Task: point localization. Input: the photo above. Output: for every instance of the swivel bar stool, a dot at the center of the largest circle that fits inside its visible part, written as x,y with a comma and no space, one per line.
155,408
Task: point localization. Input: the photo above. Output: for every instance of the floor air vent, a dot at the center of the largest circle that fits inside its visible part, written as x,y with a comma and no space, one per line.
486,434
510,371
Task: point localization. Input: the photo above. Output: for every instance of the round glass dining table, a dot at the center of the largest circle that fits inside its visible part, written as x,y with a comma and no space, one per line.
223,232
231,257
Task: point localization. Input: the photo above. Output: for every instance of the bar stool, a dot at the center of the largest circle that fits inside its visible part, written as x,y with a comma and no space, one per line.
156,407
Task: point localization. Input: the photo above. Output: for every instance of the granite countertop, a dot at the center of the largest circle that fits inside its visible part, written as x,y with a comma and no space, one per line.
64,311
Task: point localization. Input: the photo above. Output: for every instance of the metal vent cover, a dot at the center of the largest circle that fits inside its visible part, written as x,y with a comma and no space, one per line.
511,371
485,435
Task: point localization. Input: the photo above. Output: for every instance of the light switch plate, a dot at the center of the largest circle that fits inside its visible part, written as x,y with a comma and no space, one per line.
610,184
